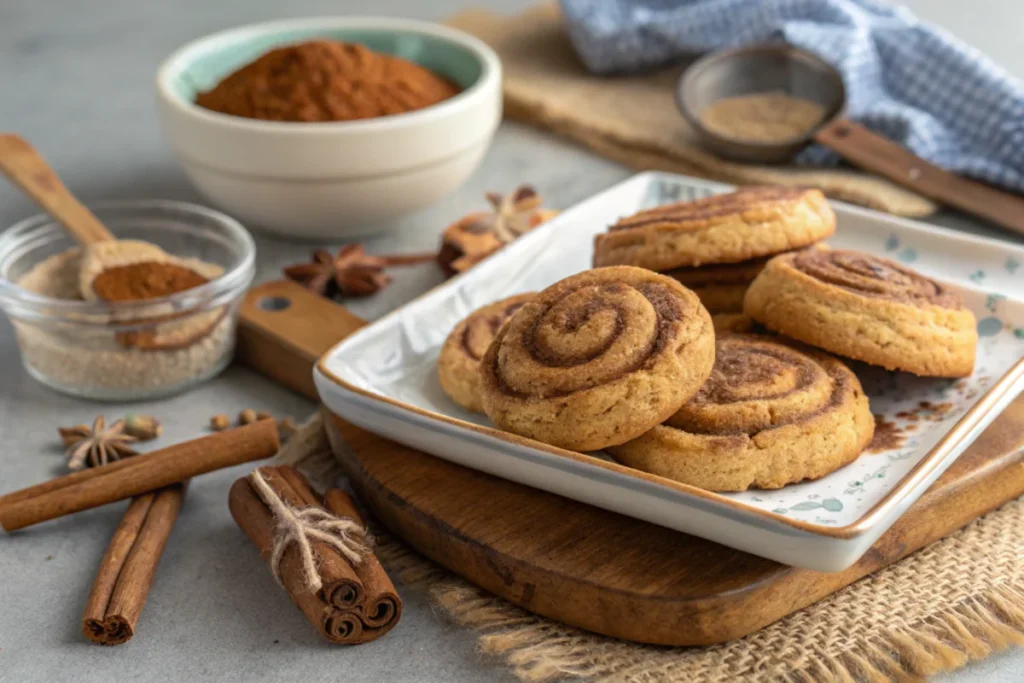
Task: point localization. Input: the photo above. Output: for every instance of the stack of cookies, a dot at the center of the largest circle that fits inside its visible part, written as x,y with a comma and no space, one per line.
624,359
716,246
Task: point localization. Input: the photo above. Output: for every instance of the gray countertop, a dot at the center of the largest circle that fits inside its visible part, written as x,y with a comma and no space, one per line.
77,83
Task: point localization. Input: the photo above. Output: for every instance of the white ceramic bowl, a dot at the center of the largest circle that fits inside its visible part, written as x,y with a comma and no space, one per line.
331,180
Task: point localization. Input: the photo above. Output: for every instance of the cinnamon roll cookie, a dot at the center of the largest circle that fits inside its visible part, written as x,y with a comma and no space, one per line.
458,365
720,287
868,308
598,359
731,322
772,413
750,223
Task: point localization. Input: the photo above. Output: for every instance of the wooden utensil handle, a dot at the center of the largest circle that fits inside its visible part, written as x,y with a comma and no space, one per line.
285,328
877,154
23,165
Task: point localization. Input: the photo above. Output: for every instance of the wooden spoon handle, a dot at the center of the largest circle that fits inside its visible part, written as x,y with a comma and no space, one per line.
877,154
23,165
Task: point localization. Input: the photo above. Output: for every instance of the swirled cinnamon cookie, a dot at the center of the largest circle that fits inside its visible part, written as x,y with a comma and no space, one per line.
750,223
868,308
731,322
721,287
458,365
598,358
772,413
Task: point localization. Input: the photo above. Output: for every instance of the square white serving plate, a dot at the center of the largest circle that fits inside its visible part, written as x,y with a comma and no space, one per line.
384,379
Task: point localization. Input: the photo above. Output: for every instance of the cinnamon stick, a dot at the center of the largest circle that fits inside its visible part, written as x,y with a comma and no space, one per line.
138,474
129,565
383,607
342,587
347,608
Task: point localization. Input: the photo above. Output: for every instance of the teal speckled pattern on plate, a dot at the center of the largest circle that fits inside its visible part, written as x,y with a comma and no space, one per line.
921,409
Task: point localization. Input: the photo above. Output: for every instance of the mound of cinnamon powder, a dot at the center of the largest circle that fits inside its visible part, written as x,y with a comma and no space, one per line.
138,281
326,80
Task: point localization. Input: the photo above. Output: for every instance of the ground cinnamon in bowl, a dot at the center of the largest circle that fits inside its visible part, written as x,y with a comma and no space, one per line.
326,80
768,118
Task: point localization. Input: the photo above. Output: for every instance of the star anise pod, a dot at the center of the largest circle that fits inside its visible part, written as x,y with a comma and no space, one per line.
98,445
352,272
512,212
476,236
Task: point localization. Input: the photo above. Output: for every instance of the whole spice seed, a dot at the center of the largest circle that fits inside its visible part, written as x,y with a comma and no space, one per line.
98,445
264,415
247,416
352,272
219,423
142,427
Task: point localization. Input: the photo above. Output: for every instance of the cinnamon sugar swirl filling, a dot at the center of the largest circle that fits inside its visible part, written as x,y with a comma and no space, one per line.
771,413
598,358
868,275
458,365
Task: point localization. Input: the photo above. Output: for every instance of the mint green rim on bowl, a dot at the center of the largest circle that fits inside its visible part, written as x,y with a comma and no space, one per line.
201,64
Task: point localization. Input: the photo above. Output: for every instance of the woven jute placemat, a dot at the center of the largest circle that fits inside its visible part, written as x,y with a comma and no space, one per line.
634,119
958,600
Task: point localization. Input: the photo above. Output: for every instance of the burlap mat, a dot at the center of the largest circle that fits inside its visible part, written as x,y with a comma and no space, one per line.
958,600
634,120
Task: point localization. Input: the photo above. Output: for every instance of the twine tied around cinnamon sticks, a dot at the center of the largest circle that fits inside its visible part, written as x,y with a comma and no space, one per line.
350,599
300,525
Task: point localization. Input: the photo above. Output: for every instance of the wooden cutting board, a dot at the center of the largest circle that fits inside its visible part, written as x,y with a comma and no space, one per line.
578,564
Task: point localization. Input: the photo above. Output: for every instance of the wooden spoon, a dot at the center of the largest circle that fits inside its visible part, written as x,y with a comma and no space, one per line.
24,167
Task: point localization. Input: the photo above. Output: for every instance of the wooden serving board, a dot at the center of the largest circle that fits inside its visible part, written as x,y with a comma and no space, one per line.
582,565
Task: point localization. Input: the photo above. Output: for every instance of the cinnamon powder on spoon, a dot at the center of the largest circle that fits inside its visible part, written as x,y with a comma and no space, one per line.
147,280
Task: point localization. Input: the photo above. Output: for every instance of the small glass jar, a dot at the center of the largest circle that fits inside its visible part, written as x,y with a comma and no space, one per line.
125,350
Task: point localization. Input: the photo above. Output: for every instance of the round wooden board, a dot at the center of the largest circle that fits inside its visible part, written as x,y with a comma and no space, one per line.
629,579
575,563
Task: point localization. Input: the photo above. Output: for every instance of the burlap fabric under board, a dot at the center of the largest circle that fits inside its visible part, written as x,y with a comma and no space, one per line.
958,600
634,119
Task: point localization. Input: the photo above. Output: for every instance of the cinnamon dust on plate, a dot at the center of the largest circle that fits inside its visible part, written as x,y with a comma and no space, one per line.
326,80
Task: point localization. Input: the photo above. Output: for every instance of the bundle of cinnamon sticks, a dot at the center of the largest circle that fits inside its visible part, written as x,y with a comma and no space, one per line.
355,601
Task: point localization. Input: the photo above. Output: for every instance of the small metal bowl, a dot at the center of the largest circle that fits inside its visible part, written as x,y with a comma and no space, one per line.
754,69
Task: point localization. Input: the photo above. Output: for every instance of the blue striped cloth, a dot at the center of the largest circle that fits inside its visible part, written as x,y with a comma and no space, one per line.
908,80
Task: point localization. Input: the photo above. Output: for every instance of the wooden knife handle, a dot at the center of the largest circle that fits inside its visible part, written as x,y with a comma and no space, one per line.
877,154
284,329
